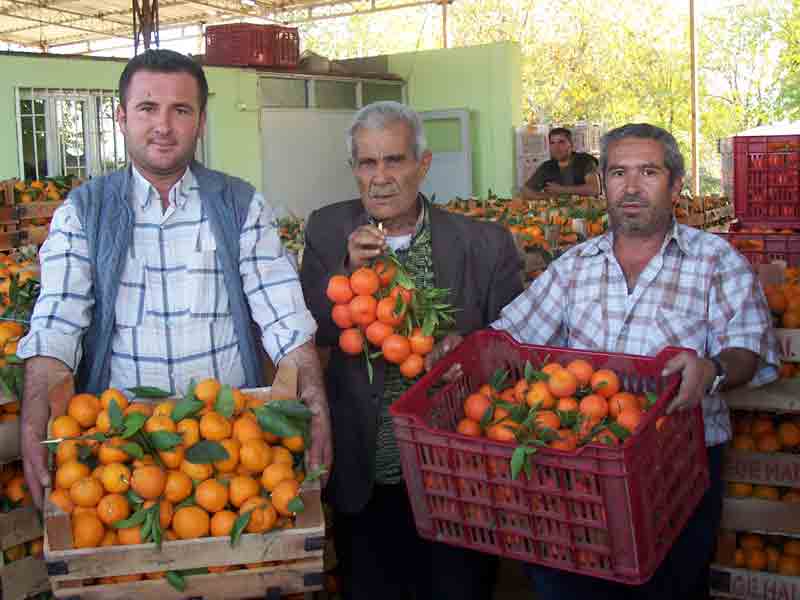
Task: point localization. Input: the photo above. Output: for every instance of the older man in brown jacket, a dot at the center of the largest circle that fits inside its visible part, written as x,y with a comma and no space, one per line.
381,554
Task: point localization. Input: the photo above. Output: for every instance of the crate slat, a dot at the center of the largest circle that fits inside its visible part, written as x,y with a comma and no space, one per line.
289,578
18,526
23,578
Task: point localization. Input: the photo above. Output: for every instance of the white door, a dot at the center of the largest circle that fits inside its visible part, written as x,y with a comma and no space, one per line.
305,158
451,168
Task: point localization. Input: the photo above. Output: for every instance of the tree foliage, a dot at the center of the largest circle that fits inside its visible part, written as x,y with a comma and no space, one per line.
615,61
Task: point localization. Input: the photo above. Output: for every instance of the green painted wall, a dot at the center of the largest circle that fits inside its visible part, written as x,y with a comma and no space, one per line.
483,79
233,132
486,80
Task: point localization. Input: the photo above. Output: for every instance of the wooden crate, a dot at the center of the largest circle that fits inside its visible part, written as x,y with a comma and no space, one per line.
778,468
9,441
754,514
19,526
66,566
782,395
23,578
274,581
27,576
7,192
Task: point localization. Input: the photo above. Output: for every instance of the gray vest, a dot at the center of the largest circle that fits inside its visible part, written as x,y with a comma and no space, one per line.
105,212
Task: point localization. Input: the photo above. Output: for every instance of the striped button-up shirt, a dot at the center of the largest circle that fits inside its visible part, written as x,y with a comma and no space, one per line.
698,292
173,319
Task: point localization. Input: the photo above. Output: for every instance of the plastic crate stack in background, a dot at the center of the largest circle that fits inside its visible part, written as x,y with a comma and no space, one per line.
605,511
249,45
767,180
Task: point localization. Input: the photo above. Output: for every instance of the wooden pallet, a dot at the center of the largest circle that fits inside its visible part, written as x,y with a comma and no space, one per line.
274,581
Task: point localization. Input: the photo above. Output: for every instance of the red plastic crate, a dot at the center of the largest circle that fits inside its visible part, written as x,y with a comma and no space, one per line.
764,248
609,512
249,45
767,180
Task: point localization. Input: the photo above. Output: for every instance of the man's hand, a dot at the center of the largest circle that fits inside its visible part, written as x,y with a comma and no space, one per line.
554,188
697,375
41,375
364,244
312,392
439,351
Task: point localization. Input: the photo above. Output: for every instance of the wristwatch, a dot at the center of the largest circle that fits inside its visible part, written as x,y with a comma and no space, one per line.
719,377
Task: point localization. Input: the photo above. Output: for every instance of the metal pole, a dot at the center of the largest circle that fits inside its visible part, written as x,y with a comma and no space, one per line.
695,111
444,24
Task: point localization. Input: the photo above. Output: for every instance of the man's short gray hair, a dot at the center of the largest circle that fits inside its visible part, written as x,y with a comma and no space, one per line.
380,115
673,159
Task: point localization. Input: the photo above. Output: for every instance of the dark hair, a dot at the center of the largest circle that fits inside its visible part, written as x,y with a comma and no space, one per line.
163,61
560,131
673,159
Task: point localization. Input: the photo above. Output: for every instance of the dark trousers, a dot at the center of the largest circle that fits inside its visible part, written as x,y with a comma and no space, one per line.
684,573
381,557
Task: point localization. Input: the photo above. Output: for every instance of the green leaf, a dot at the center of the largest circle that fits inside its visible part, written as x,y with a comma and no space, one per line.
147,527
650,399
518,459
164,440
133,422
13,359
497,379
291,408
529,372
186,502
274,422
206,452
618,430
149,392
84,453
487,417
296,505
135,519
239,526
133,449
133,497
189,395
176,580
115,415
187,407
315,473
225,404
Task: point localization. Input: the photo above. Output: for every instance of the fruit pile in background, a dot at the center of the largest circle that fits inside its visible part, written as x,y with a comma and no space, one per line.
766,432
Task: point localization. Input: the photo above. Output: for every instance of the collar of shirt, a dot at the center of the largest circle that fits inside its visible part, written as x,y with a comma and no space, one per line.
605,243
179,194
423,201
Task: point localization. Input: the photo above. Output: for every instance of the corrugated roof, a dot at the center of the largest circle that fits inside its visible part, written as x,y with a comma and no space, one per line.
44,24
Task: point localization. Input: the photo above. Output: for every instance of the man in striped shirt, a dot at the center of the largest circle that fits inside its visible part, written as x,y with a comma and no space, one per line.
200,267
648,284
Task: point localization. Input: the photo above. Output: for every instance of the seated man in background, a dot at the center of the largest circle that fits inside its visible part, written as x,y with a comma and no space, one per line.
566,172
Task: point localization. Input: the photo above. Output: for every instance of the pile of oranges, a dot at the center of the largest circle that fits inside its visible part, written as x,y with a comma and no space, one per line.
784,299
371,308
561,406
763,492
776,554
116,494
764,432
14,490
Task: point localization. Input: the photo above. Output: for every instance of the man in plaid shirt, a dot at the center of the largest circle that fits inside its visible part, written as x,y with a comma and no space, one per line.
647,284
200,267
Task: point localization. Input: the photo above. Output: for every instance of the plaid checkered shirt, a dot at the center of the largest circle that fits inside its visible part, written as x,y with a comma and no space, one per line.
172,311
698,292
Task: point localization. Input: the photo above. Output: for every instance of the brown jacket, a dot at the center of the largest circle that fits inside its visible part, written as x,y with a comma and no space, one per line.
477,261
